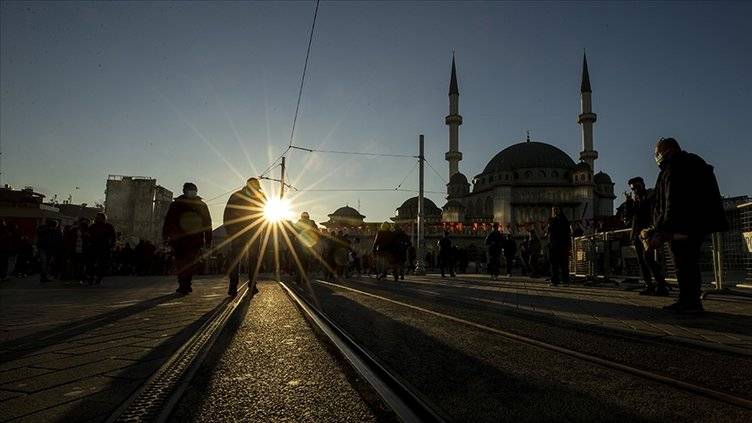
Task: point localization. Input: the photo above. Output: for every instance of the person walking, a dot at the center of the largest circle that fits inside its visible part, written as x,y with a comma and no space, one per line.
494,242
307,236
688,207
559,244
402,244
101,240
510,251
639,216
446,255
243,221
534,253
6,249
187,229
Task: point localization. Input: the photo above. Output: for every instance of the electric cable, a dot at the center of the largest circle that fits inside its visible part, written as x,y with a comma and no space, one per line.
354,153
435,171
302,78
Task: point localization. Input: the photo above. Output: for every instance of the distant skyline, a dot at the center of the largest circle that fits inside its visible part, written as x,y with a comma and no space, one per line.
206,92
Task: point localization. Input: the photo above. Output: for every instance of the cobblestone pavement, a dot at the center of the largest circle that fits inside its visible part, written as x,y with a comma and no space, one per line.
274,369
726,323
72,353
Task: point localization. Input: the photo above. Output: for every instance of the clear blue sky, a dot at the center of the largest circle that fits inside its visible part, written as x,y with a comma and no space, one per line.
191,91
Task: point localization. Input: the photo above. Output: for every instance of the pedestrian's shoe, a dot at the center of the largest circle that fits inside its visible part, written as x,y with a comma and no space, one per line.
232,293
182,290
554,284
682,308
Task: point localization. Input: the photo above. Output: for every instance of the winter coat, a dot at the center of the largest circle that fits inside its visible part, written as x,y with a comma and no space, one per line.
559,233
687,198
101,237
188,224
494,242
510,247
445,247
640,212
243,209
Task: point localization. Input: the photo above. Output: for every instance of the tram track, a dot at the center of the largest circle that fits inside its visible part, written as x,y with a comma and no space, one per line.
668,380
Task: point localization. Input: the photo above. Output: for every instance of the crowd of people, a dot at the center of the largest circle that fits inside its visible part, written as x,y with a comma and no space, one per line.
680,211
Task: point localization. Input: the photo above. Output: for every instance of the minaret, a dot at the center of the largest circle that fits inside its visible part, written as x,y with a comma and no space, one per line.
454,120
586,118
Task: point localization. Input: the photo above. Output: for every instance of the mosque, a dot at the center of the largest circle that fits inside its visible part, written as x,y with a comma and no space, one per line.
518,186
521,183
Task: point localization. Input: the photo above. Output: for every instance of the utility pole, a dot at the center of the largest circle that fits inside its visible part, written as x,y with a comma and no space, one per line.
282,180
420,268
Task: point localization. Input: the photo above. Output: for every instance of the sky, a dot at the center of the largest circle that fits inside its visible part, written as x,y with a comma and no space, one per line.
206,92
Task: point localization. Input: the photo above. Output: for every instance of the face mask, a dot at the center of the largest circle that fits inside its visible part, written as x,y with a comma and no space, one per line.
191,193
659,158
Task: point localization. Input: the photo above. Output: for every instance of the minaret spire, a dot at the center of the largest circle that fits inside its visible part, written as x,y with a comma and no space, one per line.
586,118
454,120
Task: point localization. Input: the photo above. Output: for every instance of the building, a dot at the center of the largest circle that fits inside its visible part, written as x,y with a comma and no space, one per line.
136,206
25,209
519,185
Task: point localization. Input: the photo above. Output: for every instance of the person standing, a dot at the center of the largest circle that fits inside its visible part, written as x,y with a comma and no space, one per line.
559,244
494,242
188,229
688,207
383,249
510,251
243,221
307,236
48,241
402,244
6,249
534,252
446,255
639,214
101,240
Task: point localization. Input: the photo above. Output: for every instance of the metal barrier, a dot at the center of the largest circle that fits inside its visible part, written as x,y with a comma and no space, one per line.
726,256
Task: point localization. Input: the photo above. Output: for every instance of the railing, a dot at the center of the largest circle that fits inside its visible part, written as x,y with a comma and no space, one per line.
726,259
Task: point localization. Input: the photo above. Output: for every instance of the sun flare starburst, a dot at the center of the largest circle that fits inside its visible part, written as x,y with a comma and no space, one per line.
277,209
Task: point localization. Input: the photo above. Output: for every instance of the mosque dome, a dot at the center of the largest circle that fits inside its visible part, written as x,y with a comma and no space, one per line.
458,178
529,154
409,209
347,211
601,178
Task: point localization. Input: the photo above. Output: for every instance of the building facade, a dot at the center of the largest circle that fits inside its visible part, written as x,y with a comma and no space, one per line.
519,185
136,206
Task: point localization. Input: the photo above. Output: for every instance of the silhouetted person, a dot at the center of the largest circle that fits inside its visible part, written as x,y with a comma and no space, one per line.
639,214
6,248
187,229
688,206
101,240
560,243
383,249
510,250
307,236
243,221
534,253
494,241
401,245
49,238
446,255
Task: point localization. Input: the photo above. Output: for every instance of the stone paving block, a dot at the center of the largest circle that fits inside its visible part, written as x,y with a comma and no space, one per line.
97,338
35,359
64,376
29,404
75,411
6,395
140,370
87,348
77,360
20,373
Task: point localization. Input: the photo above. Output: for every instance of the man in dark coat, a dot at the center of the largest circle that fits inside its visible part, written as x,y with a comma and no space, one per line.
494,242
49,238
306,238
688,207
383,249
244,222
101,240
639,214
510,251
559,245
188,230
446,255
402,243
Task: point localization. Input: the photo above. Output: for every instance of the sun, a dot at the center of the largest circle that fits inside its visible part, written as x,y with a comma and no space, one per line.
277,209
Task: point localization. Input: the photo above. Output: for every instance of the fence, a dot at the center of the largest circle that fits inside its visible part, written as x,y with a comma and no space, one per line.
726,258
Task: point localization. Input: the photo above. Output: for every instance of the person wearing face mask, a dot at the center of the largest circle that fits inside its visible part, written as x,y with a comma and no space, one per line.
242,221
187,229
688,207
639,215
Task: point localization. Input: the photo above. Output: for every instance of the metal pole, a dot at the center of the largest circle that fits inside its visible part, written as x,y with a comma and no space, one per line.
420,268
282,180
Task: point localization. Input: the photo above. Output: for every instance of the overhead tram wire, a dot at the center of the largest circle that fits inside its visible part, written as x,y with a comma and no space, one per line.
435,171
366,190
353,153
302,78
